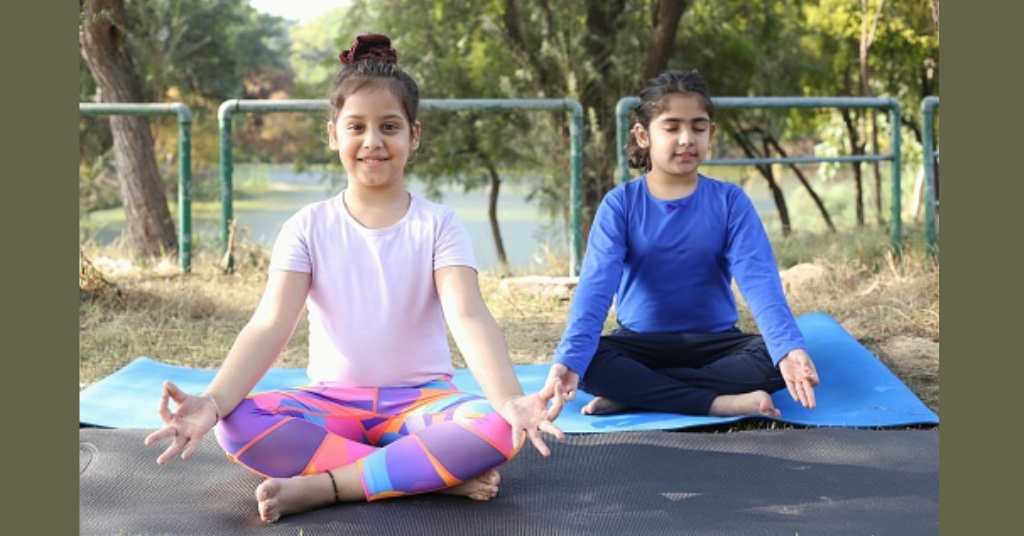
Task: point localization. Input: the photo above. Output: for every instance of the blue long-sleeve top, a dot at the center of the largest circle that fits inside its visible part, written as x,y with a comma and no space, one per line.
669,265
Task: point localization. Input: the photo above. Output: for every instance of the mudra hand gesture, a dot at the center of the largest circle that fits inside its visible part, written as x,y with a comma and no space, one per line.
186,426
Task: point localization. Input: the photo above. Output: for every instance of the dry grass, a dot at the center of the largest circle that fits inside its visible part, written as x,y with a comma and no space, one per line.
147,309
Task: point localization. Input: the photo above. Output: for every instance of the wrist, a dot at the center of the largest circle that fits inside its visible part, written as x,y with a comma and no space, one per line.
504,401
216,407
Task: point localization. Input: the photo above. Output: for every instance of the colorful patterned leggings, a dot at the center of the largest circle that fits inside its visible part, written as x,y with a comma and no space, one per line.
405,440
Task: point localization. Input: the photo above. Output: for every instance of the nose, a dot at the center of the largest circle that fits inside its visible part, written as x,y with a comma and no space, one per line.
372,139
685,137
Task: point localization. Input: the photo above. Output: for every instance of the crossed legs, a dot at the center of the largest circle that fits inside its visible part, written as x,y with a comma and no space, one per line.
319,445
691,373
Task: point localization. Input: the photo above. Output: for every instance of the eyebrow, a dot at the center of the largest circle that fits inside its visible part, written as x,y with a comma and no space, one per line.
388,116
682,120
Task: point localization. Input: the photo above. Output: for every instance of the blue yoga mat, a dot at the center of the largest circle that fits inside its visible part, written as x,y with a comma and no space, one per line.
856,390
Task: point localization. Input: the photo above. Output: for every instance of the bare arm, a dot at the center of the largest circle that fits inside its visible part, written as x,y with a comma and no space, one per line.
255,349
483,346
262,340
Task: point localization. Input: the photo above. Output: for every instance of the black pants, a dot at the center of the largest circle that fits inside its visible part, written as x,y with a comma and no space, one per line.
679,372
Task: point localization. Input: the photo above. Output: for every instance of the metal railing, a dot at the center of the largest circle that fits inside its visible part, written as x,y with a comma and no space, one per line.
184,160
625,105
229,108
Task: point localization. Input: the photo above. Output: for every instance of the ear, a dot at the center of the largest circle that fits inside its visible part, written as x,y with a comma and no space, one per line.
642,139
415,133
711,131
332,136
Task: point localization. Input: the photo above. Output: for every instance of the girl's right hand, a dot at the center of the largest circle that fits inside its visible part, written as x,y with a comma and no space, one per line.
194,416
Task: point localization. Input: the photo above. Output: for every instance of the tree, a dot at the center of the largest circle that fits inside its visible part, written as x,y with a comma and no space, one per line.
590,51
198,53
903,61
102,37
725,41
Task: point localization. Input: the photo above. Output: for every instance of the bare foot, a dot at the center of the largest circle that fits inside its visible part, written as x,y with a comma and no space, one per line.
481,488
744,404
282,496
603,406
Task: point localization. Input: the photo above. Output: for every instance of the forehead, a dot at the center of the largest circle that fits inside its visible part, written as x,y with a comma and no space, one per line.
372,102
680,107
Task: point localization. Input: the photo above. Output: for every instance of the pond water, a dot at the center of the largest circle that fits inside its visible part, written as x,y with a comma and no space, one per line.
260,215
527,235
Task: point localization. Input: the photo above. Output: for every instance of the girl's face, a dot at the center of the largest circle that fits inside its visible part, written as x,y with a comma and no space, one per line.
679,138
373,138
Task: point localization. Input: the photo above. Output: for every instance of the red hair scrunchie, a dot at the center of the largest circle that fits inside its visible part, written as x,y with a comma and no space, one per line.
370,46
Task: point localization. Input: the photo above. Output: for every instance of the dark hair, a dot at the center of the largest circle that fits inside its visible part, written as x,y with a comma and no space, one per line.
371,62
652,100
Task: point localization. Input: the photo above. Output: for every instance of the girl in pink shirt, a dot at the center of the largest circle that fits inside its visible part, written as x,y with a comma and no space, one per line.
381,271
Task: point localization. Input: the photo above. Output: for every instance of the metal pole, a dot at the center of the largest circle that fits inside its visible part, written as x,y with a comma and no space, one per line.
895,115
224,120
622,125
185,194
576,187
928,105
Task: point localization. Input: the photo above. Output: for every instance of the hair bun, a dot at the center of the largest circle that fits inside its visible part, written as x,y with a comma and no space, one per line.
372,47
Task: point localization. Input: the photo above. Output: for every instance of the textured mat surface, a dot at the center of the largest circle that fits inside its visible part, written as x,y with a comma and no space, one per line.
823,481
857,391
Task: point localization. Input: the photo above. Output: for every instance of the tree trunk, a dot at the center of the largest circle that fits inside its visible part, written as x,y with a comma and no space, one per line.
492,216
666,22
867,37
806,183
102,43
742,137
603,19
857,149
879,213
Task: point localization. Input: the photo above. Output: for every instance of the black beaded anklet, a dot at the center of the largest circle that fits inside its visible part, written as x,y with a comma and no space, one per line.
335,486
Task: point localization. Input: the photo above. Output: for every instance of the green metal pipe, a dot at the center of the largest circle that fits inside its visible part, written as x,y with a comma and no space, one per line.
797,160
224,115
228,108
928,105
576,187
184,115
895,116
185,194
622,126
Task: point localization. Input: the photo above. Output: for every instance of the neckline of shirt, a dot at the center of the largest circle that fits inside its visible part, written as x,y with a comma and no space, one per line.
672,204
340,200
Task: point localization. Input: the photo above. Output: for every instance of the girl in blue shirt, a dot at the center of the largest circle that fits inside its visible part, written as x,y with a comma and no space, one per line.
666,246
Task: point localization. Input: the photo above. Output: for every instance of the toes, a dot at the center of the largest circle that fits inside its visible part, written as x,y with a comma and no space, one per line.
269,511
491,477
589,408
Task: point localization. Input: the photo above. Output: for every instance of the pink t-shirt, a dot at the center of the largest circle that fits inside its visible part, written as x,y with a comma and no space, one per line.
375,318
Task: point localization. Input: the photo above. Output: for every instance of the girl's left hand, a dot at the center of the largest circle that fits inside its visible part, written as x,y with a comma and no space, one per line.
530,413
801,377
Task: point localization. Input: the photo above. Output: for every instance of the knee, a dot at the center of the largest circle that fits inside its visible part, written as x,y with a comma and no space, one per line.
486,422
599,375
472,411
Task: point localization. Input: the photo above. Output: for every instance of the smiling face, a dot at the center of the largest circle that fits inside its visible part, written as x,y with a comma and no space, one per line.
373,138
678,138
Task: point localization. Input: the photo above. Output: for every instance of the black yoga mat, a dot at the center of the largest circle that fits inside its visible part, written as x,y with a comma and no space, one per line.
823,481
